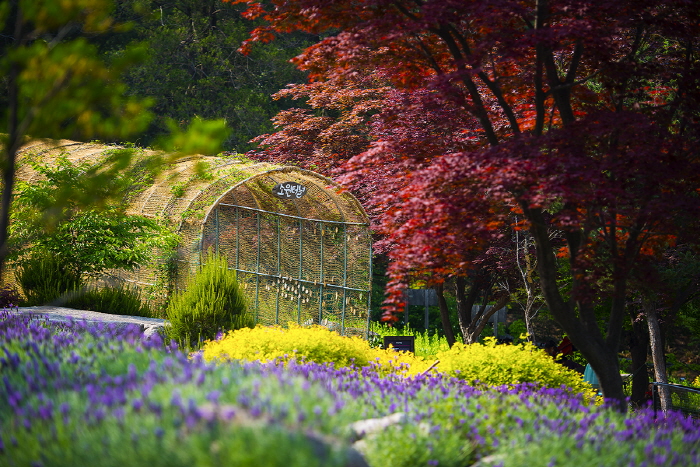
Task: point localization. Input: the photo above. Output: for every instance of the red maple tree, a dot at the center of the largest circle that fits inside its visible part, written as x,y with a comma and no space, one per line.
579,116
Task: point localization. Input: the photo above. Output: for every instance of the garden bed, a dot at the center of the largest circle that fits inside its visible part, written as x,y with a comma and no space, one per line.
79,396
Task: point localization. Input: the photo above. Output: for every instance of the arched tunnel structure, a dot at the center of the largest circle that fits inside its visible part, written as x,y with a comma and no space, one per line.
301,245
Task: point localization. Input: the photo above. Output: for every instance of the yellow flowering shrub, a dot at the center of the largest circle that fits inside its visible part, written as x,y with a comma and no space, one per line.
487,363
311,344
400,363
497,364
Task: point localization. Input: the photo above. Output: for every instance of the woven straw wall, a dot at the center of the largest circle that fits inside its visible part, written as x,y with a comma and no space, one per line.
305,259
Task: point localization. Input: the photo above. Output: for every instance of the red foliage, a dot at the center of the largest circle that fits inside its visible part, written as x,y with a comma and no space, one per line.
581,116
335,129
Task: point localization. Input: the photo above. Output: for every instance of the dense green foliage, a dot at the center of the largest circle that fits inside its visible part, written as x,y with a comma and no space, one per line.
60,239
45,279
193,68
426,344
55,79
116,300
212,302
49,218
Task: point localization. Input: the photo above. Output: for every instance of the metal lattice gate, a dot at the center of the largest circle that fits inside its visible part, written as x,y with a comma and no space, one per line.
296,269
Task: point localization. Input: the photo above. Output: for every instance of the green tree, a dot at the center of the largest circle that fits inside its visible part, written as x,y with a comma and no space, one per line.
57,84
193,67
87,240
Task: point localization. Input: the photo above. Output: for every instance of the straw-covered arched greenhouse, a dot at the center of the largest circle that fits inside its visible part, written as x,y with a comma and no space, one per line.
300,244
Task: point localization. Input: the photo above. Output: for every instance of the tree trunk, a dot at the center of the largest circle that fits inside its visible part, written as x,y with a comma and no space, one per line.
657,354
639,347
472,327
479,322
611,380
529,317
445,315
526,272
582,327
12,145
464,304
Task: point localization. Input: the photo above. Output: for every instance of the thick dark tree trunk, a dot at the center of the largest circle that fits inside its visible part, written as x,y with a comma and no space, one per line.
639,349
444,315
578,319
12,145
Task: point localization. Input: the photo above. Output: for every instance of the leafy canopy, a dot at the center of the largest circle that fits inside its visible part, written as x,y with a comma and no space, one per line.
579,118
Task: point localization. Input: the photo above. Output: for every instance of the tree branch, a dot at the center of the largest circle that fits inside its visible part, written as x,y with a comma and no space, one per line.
491,84
479,108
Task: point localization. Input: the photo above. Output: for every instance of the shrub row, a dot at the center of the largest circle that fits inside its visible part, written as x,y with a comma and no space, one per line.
45,280
489,364
212,302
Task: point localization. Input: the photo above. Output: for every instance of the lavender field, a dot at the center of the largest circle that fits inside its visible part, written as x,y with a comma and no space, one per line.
105,397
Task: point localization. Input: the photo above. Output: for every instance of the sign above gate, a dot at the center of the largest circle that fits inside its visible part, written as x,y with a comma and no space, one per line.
289,190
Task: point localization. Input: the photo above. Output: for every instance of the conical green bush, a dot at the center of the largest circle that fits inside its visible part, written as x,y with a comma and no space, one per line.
212,302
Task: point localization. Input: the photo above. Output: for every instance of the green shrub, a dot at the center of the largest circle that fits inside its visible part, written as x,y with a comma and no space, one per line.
518,329
119,300
426,345
46,280
51,215
212,302
495,364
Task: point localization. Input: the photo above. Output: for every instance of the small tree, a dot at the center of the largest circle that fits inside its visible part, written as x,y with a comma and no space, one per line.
56,84
49,219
